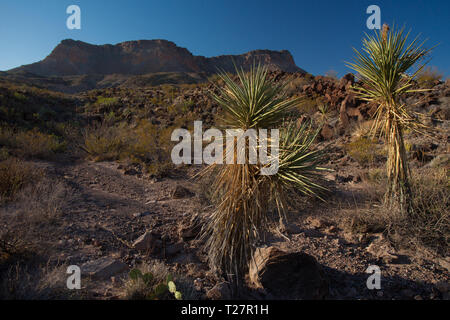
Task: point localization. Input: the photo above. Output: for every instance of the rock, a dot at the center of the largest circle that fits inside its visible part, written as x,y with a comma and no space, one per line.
181,192
382,250
146,242
142,214
220,291
445,263
191,229
327,132
349,77
103,268
316,222
173,249
442,160
290,228
443,287
285,275
408,293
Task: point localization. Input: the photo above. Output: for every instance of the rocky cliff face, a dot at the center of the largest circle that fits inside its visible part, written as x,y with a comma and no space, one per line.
72,57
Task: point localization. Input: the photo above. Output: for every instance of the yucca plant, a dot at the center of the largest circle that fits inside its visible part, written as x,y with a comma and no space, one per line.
382,67
245,198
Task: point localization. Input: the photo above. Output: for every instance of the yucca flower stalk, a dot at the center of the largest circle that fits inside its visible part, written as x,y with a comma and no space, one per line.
382,66
244,196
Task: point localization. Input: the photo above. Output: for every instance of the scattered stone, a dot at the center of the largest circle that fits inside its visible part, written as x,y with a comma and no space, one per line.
331,229
408,293
146,242
443,287
103,268
327,132
445,263
173,249
191,229
142,214
287,275
220,291
290,228
181,192
382,250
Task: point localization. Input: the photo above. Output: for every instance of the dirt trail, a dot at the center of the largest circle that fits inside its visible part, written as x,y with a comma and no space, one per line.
102,219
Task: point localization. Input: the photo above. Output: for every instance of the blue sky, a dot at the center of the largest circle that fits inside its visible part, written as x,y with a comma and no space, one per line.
319,34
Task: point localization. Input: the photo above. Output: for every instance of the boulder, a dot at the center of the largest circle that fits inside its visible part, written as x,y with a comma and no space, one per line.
284,275
103,268
146,242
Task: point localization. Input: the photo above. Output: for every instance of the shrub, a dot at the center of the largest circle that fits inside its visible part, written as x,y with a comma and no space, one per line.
14,175
364,150
102,142
37,144
428,76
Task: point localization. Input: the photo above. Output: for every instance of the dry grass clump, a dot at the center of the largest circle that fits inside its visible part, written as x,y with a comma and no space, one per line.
14,175
30,222
36,281
428,224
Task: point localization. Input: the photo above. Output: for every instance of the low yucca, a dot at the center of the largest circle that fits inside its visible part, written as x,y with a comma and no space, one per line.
244,196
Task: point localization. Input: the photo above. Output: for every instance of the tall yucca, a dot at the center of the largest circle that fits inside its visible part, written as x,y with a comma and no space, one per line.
244,197
382,67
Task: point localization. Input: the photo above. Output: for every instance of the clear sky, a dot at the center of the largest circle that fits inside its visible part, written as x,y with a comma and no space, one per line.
318,33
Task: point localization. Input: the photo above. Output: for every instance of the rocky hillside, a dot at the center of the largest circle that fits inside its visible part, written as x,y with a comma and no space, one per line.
72,57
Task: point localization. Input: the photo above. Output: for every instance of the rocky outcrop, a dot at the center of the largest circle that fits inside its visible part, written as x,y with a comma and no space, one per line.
141,57
283,275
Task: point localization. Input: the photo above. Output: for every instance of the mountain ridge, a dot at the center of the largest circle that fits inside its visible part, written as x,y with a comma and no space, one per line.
138,57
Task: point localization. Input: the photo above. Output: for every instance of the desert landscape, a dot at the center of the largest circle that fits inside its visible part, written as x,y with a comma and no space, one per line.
86,179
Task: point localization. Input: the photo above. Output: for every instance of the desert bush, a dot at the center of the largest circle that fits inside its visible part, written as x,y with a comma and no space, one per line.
103,142
35,144
428,76
364,150
14,175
